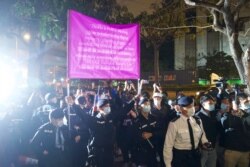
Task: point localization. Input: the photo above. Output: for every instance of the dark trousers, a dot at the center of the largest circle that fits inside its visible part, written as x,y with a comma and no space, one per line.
79,155
125,143
55,158
159,149
145,157
104,157
186,158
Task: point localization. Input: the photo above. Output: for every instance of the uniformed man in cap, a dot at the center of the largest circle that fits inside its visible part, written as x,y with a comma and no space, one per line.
184,134
52,143
41,115
146,133
102,127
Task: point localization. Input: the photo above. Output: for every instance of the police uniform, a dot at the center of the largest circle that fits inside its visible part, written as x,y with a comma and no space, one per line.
45,140
103,133
178,150
41,114
79,149
144,150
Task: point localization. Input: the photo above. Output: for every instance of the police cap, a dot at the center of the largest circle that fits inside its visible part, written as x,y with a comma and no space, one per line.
185,101
205,98
143,100
56,113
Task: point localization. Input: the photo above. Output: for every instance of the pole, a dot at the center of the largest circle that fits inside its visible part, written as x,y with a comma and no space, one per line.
138,87
68,107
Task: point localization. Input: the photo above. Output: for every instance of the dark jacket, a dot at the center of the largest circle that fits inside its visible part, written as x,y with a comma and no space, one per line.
45,138
210,125
235,138
103,127
149,125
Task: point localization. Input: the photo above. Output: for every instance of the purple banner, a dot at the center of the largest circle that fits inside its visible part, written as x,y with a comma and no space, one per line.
97,50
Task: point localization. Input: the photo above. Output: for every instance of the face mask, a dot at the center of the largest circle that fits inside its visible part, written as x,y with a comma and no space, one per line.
157,102
223,106
248,111
107,110
245,106
60,123
146,109
190,111
209,107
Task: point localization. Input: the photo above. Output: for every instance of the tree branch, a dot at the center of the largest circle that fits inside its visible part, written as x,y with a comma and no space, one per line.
216,25
203,4
244,19
220,3
239,6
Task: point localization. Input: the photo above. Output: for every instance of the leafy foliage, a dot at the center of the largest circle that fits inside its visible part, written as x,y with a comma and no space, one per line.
219,63
164,16
48,18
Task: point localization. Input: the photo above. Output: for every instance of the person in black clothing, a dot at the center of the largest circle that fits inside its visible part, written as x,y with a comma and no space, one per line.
224,106
51,142
207,114
163,117
79,133
125,135
102,128
146,131
41,115
236,142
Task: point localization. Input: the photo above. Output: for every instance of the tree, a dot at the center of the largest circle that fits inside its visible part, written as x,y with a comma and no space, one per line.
47,20
223,66
164,15
227,20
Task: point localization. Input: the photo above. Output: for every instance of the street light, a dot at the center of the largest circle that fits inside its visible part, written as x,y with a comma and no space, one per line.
26,37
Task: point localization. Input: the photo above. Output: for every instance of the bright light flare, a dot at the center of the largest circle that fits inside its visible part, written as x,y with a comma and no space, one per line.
12,77
7,81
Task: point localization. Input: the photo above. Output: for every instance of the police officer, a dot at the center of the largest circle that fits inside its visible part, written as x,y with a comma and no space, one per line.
183,137
79,133
51,142
146,131
102,127
41,115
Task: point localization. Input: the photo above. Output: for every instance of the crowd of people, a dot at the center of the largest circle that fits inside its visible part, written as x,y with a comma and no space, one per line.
92,126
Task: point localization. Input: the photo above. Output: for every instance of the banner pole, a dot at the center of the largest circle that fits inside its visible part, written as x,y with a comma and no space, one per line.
68,106
138,85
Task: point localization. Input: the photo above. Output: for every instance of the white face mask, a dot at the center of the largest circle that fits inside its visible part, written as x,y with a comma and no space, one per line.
60,123
107,110
223,107
190,111
209,107
157,102
245,106
146,109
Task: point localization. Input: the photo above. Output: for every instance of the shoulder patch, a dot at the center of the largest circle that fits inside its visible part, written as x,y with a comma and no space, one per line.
175,118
